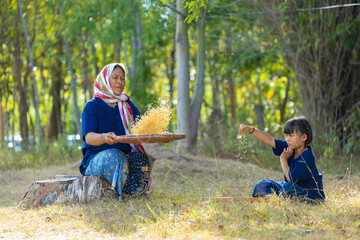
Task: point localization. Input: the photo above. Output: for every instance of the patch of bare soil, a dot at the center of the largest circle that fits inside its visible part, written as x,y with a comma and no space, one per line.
182,162
160,152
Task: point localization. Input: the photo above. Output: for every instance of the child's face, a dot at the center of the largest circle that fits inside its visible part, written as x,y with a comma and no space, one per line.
295,140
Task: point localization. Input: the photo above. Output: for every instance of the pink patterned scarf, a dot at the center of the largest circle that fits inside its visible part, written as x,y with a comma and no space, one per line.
103,90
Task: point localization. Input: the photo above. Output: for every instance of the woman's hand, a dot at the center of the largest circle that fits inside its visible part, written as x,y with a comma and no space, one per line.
97,139
286,154
110,138
243,128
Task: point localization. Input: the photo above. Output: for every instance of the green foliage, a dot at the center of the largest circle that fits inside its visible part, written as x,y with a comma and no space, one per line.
352,129
54,152
339,154
325,41
241,49
194,9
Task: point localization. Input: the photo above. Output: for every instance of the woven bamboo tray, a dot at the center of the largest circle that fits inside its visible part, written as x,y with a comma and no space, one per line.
150,138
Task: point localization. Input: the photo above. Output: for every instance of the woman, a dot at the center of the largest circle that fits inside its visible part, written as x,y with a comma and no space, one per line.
110,114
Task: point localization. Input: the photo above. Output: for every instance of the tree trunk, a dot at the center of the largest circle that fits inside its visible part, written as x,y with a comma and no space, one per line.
87,86
214,120
12,115
140,47
118,51
23,107
63,189
73,87
229,75
259,110
282,106
32,126
225,96
5,94
216,112
38,125
2,94
200,75
127,59
133,62
139,41
232,98
183,78
7,119
104,54
2,114
170,71
57,86
172,75
94,57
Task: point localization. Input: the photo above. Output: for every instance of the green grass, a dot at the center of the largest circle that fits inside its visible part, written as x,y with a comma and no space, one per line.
47,153
177,207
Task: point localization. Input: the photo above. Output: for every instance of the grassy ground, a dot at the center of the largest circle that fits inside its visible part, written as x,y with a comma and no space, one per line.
177,207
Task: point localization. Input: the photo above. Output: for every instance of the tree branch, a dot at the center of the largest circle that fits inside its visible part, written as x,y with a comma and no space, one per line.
175,10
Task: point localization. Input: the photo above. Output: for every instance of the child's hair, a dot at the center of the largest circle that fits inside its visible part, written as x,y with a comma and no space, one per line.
299,124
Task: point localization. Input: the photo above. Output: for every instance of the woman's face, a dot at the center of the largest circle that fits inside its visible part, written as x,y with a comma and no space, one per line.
117,81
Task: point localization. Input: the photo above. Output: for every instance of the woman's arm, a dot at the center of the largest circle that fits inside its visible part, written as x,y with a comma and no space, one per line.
97,139
260,135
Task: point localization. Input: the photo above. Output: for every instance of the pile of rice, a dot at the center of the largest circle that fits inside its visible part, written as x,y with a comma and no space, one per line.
154,121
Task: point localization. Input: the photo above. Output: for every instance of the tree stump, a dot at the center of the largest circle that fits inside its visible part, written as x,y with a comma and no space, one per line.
64,189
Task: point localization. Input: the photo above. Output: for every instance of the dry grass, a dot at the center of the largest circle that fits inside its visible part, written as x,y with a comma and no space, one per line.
176,209
154,121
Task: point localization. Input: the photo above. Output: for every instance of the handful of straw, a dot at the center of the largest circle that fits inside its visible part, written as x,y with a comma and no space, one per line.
154,121
242,145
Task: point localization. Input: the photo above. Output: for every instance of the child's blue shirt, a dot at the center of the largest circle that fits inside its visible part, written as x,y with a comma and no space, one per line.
99,117
303,170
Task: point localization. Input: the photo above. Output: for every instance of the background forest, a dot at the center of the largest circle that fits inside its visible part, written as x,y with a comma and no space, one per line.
220,63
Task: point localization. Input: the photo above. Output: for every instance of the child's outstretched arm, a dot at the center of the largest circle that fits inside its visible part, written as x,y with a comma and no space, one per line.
260,135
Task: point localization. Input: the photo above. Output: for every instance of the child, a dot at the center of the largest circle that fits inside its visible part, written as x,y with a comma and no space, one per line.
302,178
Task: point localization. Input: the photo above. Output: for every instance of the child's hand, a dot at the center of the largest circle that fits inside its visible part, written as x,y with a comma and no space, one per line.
243,128
286,154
